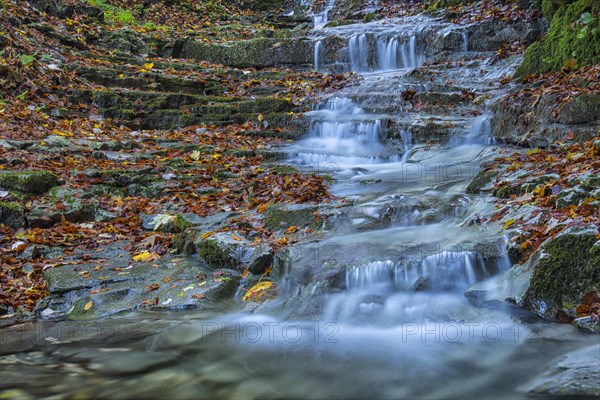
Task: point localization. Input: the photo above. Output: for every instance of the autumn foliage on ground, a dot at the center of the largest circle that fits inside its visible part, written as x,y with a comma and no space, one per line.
202,169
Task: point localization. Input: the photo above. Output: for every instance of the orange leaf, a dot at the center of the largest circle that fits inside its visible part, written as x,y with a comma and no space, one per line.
88,305
235,237
198,296
205,235
291,229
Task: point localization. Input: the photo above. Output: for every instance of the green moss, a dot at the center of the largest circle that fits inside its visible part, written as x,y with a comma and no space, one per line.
184,242
504,192
214,255
570,267
573,34
30,182
283,169
12,215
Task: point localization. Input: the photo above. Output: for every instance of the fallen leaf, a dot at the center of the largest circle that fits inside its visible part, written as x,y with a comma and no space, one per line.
88,305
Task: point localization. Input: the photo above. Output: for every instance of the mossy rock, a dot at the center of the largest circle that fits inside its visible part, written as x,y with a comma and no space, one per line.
569,37
504,192
12,215
216,254
29,182
282,216
564,269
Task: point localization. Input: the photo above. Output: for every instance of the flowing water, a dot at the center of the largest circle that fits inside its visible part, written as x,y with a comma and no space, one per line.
376,309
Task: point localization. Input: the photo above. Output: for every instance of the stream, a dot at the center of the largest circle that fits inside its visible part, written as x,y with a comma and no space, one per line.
396,323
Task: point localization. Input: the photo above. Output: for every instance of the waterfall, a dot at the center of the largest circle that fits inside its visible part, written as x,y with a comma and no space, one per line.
407,144
398,52
465,42
359,52
318,49
480,131
339,133
321,18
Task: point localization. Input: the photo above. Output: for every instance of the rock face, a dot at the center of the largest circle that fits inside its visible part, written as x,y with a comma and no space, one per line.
575,375
491,35
260,52
539,122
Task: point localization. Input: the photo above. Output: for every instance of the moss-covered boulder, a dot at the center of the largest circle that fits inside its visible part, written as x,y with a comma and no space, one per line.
574,34
233,251
28,182
12,215
564,269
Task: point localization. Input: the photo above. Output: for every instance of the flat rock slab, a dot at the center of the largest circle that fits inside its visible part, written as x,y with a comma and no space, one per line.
574,375
87,291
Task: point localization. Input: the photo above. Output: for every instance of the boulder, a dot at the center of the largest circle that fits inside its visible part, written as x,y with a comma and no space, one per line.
74,205
564,268
28,182
12,215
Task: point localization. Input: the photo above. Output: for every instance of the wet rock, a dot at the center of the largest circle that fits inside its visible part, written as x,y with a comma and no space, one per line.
163,284
29,182
587,324
503,291
282,216
232,251
574,375
74,205
170,223
571,197
12,215
483,182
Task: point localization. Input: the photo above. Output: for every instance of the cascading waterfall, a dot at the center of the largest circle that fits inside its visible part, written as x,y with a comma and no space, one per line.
480,131
406,287
339,133
399,52
321,18
407,144
358,49
318,50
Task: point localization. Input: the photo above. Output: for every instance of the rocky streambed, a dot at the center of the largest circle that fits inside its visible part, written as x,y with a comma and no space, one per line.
424,272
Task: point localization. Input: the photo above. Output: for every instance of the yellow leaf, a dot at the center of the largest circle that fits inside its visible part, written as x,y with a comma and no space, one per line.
509,222
148,66
260,118
257,291
291,229
216,156
261,208
205,235
61,133
146,256
121,76
88,305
